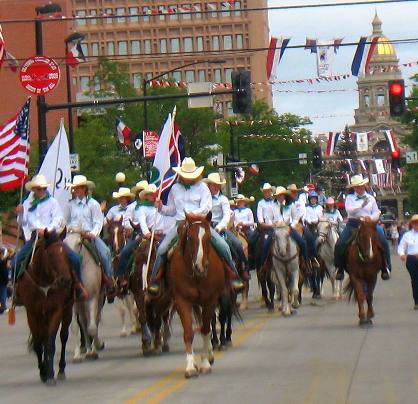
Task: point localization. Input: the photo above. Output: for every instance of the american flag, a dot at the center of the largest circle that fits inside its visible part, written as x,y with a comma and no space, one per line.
2,48
14,149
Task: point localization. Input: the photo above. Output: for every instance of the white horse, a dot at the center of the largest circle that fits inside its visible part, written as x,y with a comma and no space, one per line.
128,314
327,238
285,268
88,312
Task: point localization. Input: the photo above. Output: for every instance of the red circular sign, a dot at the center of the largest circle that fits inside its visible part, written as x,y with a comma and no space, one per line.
39,75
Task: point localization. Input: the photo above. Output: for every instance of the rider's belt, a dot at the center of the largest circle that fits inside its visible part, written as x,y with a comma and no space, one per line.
353,222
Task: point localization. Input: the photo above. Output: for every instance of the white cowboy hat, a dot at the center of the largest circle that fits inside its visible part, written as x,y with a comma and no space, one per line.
281,191
266,187
80,180
150,189
241,197
214,178
123,193
38,181
293,188
139,186
357,181
188,169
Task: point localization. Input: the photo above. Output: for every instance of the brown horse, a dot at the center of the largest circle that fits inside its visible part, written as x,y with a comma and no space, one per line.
197,278
46,290
363,264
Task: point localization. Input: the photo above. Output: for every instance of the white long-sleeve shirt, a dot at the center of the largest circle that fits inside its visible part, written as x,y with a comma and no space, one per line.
265,212
85,214
409,243
47,215
354,209
282,213
145,217
334,217
244,216
116,212
313,214
298,211
221,211
197,200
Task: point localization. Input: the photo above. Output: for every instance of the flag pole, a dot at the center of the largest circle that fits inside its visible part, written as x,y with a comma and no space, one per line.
160,189
58,156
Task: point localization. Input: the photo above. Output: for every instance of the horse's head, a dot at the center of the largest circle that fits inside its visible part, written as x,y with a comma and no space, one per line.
367,240
116,235
282,237
324,227
197,242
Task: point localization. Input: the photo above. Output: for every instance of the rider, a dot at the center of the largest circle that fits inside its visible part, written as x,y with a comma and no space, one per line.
314,212
189,194
243,215
140,185
360,205
41,212
221,215
331,212
84,212
121,210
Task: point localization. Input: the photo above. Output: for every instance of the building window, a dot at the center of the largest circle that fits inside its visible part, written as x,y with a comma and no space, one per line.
163,45
81,13
199,41
149,76
197,8
237,6
215,43
145,10
226,7
175,45
96,84
133,11
212,6
161,10
109,11
147,46
228,74
173,7
94,49
84,83
227,42
186,16
85,49
93,21
190,76
229,109
176,76
135,47
188,44
239,41
122,48
202,76
380,100
366,101
217,75
120,11
137,81
110,48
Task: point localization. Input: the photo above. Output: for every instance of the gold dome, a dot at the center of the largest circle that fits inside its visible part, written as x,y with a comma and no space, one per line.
384,47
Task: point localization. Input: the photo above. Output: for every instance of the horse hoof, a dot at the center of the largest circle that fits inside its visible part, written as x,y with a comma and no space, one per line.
92,356
61,376
146,351
271,309
191,373
211,359
228,343
123,334
166,348
221,347
205,370
100,346
295,305
51,382
286,313
369,321
77,359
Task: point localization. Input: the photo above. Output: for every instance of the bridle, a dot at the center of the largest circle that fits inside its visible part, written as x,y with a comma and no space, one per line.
188,237
280,258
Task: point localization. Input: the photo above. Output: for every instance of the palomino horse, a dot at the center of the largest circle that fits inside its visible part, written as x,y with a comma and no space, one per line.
154,314
46,290
363,264
285,269
116,240
197,278
88,311
327,238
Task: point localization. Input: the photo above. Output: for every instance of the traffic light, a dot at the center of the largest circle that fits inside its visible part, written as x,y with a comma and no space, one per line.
317,157
241,84
397,97
396,159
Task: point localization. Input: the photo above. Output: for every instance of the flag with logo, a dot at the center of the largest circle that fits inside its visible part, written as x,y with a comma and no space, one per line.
14,149
123,132
362,141
75,55
150,143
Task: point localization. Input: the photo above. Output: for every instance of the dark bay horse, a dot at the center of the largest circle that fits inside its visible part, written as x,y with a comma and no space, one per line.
197,278
46,291
363,265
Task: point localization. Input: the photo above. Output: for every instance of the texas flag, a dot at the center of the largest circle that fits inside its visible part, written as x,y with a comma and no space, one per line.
75,55
123,132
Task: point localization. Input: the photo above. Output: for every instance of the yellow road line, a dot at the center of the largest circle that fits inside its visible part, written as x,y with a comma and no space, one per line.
168,391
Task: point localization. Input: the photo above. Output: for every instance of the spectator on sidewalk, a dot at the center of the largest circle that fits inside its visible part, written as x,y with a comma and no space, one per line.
394,234
4,279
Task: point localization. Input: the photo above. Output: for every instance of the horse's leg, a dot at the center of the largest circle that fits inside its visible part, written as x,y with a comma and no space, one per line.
244,298
263,284
228,336
184,310
370,290
49,353
215,340
272,290
65,325
166,331
145,331
132,314
207,352
121,305
92,327
38,347
223,317
360,296
280,272
294,284
76,331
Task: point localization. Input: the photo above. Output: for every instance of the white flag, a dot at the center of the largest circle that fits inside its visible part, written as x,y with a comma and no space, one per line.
56,167
362,141
324,58
380,168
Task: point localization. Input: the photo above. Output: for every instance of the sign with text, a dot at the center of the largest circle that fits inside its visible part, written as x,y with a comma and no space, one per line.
75,162
411,157
150,143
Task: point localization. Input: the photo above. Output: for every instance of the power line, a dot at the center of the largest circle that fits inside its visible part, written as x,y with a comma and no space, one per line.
158,13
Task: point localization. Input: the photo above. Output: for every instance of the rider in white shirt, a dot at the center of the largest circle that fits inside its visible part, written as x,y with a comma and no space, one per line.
243,215
332,213
122,210
360,205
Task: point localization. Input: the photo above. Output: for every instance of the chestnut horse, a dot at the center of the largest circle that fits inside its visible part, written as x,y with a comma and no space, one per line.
46,291
363,265
197,278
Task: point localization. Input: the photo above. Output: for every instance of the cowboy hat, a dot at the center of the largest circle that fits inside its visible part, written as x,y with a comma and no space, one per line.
414,218
139,186
281,191
214,178
79,181
330,201
241,197
188,169
293,188
38,181
357,181
266,187
149,189
123,193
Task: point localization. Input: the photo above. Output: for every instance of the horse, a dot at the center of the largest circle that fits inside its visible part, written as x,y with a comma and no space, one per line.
46,290
285,268
116,240
239,232
364,261
197,277
327,238
87,312
154,314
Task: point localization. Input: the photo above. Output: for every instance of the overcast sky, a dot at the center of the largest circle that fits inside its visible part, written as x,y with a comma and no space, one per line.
348,22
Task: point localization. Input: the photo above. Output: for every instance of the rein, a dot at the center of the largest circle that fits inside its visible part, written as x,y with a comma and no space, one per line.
285,262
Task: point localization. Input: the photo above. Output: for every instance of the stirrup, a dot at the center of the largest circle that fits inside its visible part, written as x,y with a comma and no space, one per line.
154,289
237,285
340,275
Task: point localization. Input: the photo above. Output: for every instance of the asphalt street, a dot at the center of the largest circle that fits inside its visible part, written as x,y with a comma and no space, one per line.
319,355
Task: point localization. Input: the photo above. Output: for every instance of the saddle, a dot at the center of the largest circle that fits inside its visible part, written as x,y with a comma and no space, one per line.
26,260
92,250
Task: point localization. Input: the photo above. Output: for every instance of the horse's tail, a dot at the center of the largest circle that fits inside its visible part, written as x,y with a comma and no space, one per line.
349,291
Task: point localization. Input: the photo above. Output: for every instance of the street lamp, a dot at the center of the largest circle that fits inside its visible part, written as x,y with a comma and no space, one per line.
74,37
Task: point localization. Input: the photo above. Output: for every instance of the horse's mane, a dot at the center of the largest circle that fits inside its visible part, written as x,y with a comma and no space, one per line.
50,238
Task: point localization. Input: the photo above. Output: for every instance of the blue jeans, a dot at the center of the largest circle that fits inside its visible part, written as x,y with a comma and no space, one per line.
3,297
236,245
105,256
310,242
412,267
125,256
20,256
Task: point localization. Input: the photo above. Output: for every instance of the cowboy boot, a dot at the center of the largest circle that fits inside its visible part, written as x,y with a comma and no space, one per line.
236,283
110,287
340,274
80,292
154,285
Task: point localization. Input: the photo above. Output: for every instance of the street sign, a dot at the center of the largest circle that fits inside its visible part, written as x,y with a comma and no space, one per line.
200,102
75,162
39,75
411,157
303,158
